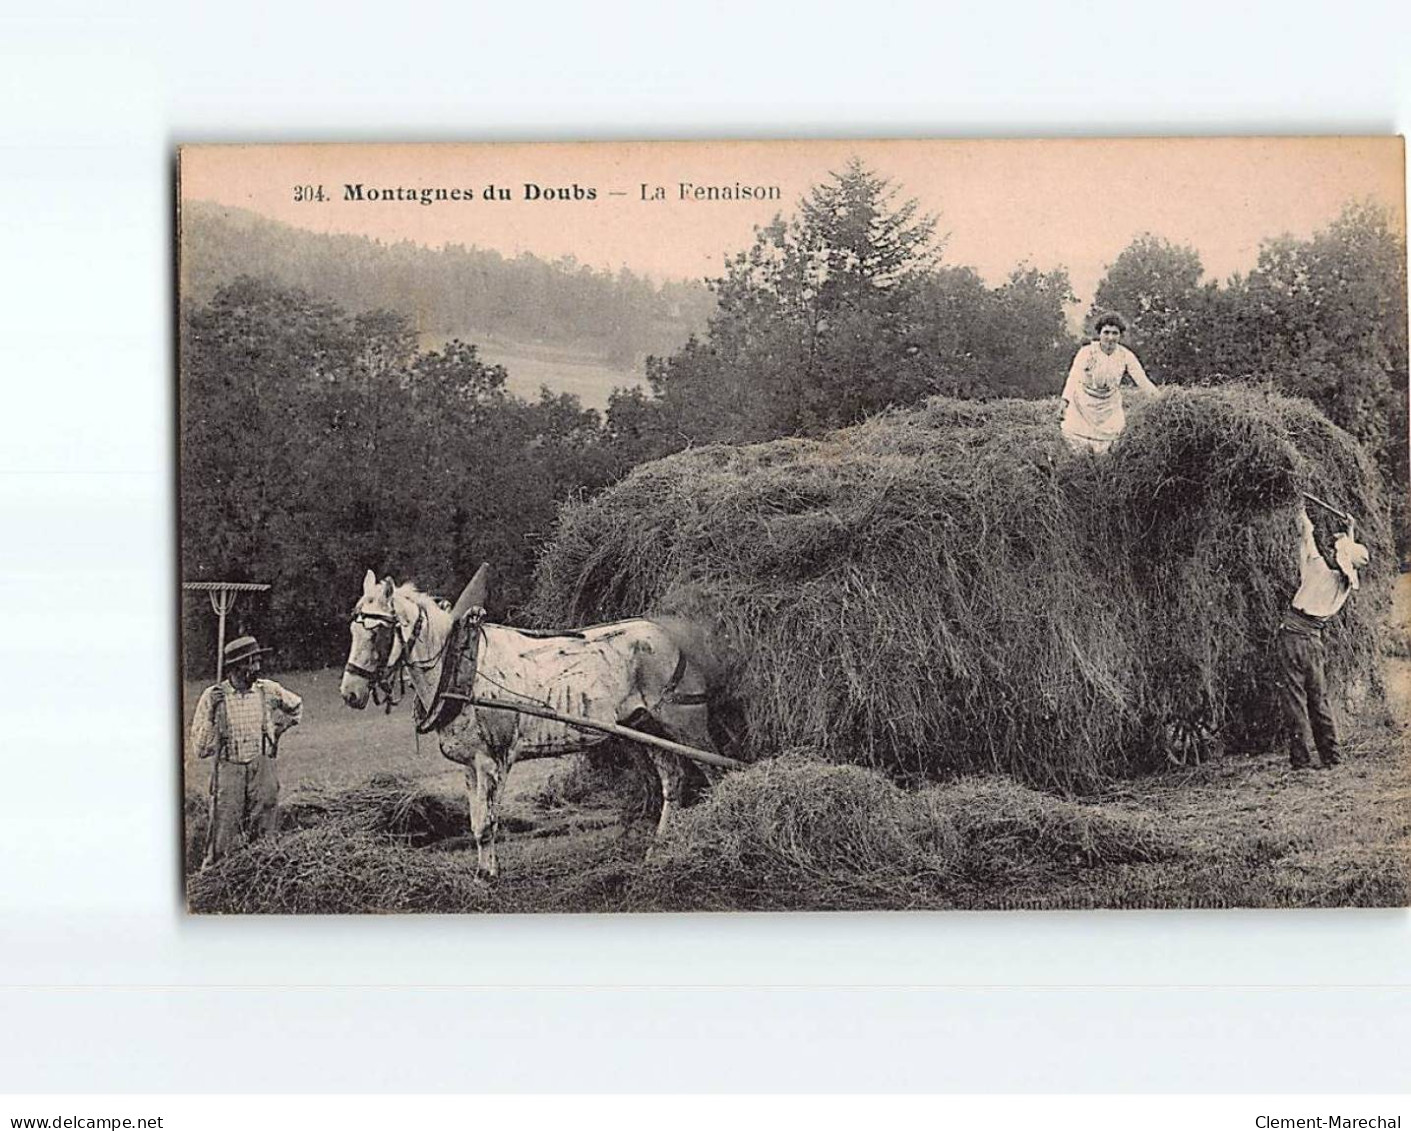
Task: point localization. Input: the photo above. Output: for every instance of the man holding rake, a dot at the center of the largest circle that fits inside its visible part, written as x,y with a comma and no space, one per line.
238,722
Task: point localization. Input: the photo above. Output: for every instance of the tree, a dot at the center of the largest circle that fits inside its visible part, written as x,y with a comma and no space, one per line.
1155,285
859,250
279,434
1322,318
316,444
1330,313
814,321
636,428
1029,348
841,311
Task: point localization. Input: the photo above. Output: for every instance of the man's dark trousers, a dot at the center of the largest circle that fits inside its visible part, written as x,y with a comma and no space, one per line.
1303,688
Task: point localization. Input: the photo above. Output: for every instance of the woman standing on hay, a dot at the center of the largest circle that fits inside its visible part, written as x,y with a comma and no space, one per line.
1303,686
1092,396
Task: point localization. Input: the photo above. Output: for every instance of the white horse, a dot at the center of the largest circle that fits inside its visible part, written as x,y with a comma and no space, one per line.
622,673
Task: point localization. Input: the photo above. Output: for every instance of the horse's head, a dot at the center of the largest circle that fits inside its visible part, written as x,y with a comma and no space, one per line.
376,641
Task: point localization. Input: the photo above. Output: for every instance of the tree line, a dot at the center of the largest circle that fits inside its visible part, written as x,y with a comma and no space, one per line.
449,292
1322,318
317,443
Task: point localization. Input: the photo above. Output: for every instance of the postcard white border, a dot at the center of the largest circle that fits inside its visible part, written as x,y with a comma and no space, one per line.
90,914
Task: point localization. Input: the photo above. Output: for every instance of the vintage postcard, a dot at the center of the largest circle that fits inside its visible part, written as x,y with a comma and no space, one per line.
827,525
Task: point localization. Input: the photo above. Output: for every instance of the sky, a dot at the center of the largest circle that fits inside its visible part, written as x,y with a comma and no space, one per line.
1074,202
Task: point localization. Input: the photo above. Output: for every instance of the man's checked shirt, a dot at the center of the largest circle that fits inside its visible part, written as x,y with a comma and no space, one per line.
235,724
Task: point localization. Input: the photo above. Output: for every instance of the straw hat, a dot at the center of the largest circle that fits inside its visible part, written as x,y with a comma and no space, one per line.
243,648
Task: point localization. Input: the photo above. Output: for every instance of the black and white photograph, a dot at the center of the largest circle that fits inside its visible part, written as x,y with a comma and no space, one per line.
794,525
838,563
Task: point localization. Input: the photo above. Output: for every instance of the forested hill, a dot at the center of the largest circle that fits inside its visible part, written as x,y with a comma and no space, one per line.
456,291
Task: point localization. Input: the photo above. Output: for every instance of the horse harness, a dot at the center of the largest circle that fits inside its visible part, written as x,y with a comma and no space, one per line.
383,627
461,652
456,687
462,656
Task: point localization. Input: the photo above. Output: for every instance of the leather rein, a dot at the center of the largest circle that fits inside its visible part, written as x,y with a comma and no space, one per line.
380,680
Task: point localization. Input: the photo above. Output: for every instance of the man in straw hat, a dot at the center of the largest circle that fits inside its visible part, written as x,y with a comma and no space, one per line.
238,722
1303,687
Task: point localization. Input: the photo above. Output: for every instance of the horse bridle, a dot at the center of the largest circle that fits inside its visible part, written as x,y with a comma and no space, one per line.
380,680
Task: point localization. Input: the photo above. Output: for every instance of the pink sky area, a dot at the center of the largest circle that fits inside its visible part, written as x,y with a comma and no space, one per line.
1075,203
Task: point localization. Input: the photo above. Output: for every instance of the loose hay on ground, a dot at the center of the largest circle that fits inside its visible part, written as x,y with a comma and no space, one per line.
389,805
790,832
1009,832
795,833
951,590
344,850
332,870
196,820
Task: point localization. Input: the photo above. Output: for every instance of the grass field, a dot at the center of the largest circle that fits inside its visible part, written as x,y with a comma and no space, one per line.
563,370
337,748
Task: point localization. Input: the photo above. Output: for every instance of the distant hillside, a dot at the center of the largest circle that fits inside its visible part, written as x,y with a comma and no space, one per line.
527,304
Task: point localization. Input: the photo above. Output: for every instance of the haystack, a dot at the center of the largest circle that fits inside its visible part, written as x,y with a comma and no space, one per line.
950,589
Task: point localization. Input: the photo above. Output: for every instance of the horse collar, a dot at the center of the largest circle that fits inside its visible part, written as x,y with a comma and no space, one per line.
409,642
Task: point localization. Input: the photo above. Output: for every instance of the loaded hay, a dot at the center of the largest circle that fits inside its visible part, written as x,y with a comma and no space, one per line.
949,589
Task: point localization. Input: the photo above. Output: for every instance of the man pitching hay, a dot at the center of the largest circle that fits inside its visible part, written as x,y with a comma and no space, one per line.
1322,592
1092,396
238,722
